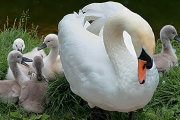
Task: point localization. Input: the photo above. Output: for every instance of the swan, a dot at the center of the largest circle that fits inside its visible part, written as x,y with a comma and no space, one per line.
17,56
19,45
102,70
10,89
52,63
167,58
32,92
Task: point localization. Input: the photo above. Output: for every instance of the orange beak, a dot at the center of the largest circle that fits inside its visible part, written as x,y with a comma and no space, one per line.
141,71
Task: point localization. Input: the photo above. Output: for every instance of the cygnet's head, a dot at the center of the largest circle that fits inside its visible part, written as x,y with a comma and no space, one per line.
18,45
38,62
169,32
50,41
17,57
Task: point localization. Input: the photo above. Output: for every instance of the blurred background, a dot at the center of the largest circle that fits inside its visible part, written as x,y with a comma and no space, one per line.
47,13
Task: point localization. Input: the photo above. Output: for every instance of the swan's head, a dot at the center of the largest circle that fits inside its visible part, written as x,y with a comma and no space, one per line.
169,32
17,57
18,45
141,34
38,64
50,41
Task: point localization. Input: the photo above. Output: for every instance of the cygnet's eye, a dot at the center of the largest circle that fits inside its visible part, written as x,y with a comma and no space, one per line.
16,45
22,45
174,33
48,41
18,56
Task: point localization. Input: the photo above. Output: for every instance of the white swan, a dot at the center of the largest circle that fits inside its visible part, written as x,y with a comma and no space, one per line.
32,92
52,63
15,57
20,46
104,72
167,58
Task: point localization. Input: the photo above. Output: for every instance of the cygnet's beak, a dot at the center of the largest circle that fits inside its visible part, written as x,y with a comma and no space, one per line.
177,38
20,50
24,59
42,46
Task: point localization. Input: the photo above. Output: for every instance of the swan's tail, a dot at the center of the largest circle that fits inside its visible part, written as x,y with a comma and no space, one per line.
98,13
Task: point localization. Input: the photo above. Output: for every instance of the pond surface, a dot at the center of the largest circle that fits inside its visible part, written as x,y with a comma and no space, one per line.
47,13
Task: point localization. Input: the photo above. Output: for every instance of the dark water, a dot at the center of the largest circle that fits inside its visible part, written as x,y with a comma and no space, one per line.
48,13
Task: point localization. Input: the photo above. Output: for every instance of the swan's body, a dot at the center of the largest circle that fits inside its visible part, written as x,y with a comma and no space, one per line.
32,92
20,46
167,58
52,62
104,72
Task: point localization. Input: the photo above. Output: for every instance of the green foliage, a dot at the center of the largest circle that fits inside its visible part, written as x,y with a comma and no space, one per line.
64,101
33,116
65,105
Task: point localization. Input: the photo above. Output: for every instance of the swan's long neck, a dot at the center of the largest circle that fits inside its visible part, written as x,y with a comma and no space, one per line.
52,56
18,74
38,73
116,49
166,45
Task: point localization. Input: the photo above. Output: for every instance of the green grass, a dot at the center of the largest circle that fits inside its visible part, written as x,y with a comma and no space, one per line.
64,105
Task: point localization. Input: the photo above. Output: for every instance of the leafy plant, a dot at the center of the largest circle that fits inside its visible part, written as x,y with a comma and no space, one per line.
64,101
34,116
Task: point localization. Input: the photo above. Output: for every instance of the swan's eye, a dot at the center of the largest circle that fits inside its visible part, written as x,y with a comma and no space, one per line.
22,45
16,45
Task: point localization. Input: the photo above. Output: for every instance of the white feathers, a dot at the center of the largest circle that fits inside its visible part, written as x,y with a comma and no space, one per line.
99,67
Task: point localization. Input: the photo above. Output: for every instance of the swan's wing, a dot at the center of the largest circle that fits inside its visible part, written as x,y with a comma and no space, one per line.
99,12
102,10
